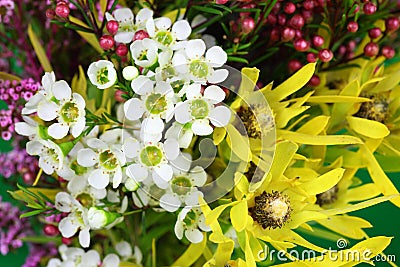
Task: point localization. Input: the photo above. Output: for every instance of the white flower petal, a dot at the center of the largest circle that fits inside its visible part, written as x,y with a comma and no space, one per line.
58,130
79,100
134,109
182,113
179,62
150,27
98,179
117,179
131,147
160,182
202,127
63,202
143,15
61,90
86,157
123,15
164,171
194,235
78,127
216,56
182,162
96,143
84,237
181,29
153,125
202,223
198,175
192,199
124,37
124,249
48,80
170,202
218,76
193,91
67,227
220,116
23,128
214,93
195,48
137,172
47,111
178,229
34,148
171,149
111,260
142,85
163,23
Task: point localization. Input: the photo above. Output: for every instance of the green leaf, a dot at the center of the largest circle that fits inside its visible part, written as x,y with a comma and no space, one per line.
238,59
208,10
31,213
40,53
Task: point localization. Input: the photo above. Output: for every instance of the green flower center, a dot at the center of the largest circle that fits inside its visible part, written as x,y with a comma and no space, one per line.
164,37
191,218
78,169
126,27
199,68
69,112
156,103
102,76
108,160
151,156
85,199
181,185
199,109
52,153
143,55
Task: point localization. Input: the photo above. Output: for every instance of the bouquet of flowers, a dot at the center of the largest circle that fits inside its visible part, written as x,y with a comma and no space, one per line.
197,133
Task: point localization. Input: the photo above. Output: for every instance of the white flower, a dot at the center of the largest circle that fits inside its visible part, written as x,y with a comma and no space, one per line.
130,72
182,188
99,218
127,26
200,110
43,94
107,162
144,52
199,68
166,36
51,155
29,128
182,132
151,159
188,222
124,249
79,258
76,220
102,74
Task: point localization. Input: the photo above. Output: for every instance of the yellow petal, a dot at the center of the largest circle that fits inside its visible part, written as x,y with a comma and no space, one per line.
249,80
348,226
192,254
39,50
250,261
213,215
315,125
239,215
337,99
219,135
388,83
324,182
362,192
318,139
238,143
369,128
284,153
294,83
378,175
285,115
305,216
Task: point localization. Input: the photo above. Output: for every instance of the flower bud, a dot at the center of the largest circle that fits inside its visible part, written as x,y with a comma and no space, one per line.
325,55
62,10
371,49
121,50
107,42
112,27
130,72
140,35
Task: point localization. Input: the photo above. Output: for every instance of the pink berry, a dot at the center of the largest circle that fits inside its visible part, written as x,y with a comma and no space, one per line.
62,10
281,19
314,81
287,34
140,35
299,34
388,52
318,40
297,21
275,34
307,15
118,96
294,65
50,13
369,8
301,45
112,27
374,33
371,49
66,241
271,19
308,4
50,230
311,57
351,45
342,50
248,25
325,55
352,26
289,8
107,42
221,2
392,24
28,178
121,50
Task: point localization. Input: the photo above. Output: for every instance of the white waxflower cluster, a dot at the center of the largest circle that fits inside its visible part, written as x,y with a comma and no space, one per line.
174,96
